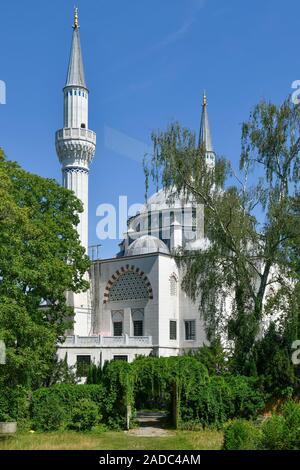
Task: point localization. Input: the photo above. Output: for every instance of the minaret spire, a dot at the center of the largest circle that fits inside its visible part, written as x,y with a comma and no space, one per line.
75,75
76,25
205,139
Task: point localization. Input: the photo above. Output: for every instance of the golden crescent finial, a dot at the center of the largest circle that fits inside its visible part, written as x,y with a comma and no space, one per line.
76,25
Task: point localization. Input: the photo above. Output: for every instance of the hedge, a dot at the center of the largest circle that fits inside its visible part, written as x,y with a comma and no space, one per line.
180,384
52,408
222,399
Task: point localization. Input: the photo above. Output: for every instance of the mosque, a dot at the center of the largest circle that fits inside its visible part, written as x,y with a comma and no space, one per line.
135,304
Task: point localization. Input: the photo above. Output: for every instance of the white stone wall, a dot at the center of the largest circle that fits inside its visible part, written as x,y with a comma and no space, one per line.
100,355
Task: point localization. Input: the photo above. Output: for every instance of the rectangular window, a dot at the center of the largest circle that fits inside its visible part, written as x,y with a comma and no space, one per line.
190,330
149,223
121,358
138,328
82,365
173,329
118,328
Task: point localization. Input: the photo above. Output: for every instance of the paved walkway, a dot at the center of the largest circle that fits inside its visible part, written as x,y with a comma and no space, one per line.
151,425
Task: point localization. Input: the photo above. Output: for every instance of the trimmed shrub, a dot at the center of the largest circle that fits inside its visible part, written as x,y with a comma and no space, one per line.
241,435
49,413
65,398
85,415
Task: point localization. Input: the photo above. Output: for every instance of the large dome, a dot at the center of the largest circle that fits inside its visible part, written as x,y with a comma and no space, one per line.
166,199
147,244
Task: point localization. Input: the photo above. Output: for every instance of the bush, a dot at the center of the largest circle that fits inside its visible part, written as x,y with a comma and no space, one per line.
117,381
291,413
273,433
220,399
279,432
241,435
65,398
49,413
282,432
14,405
85,415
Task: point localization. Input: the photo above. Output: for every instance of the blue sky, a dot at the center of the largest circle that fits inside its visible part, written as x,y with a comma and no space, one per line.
147,62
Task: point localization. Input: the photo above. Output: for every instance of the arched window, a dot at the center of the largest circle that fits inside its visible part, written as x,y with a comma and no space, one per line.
173,285
137,315
117,321
129,286
128,283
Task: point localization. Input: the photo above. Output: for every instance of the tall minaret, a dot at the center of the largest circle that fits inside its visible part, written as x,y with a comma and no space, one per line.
205,140
75,143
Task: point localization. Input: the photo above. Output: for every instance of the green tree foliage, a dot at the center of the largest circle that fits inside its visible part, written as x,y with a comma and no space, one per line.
251,220
213,357
40,259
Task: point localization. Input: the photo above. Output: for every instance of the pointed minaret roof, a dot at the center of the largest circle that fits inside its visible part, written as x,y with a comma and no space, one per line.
75,75
205,135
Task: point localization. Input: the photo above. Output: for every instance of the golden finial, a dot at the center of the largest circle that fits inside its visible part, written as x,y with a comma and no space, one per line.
76,25
204,99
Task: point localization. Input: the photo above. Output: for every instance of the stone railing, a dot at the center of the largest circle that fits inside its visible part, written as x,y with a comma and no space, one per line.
76,133
107,341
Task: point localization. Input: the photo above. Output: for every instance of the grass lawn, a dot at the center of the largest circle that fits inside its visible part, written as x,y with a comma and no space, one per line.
177,440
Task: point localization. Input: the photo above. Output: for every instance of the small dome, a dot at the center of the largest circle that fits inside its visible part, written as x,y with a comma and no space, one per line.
147,244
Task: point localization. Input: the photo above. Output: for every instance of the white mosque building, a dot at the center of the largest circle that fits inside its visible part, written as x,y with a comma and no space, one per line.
135,305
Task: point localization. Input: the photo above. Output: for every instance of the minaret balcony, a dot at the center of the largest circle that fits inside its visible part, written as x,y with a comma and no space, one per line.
73,133
75,146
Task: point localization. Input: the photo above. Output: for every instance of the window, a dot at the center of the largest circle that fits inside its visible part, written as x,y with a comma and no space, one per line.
138,328
149,223
82,365
173,329
82,126
173,285
138,321
118,328
194,219
190,330
75,92
121,358
129,286
71,93
117,321
172,218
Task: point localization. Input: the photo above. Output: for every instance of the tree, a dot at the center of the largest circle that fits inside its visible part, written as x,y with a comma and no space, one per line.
40,259
250,222
213,357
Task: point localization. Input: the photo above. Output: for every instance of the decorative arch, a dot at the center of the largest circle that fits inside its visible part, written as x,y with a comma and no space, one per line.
173,282
135,274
